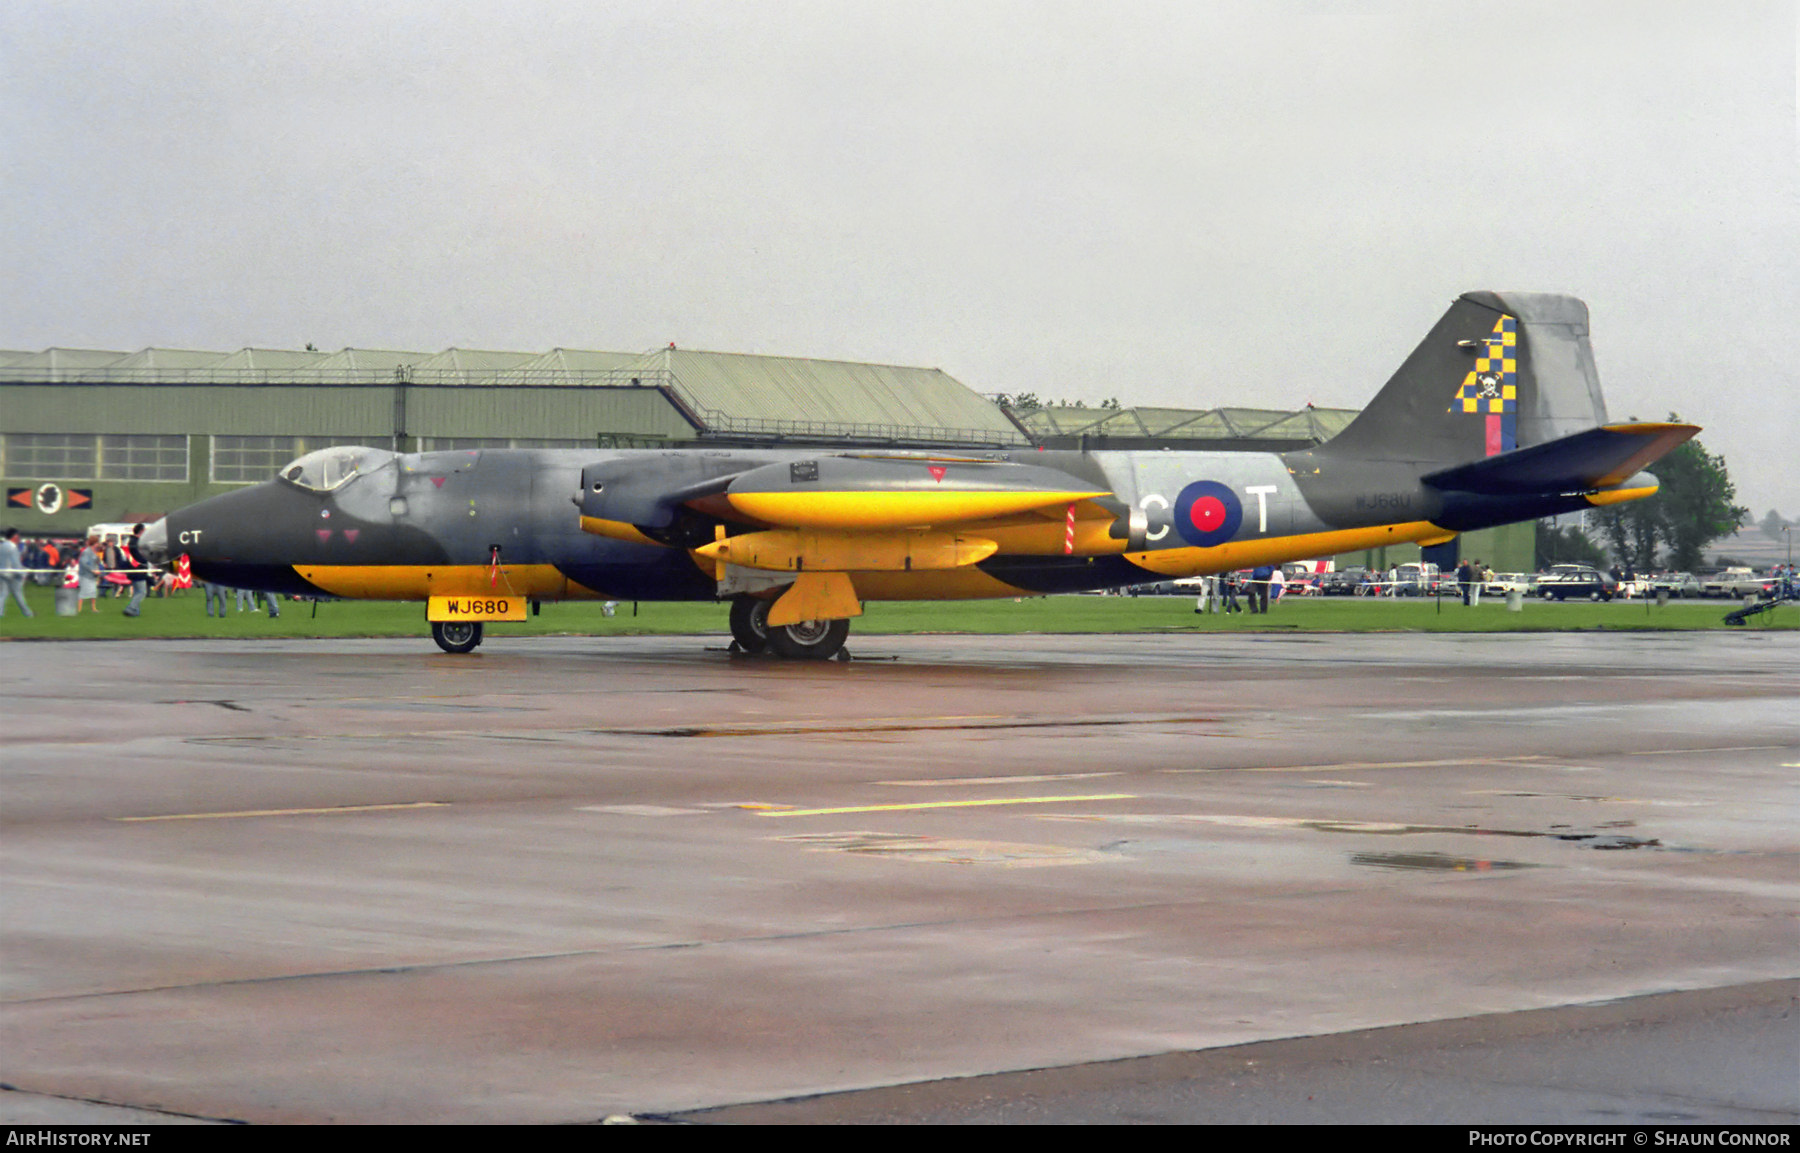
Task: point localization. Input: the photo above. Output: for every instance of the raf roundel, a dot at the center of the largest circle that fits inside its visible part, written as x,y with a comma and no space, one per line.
1207,514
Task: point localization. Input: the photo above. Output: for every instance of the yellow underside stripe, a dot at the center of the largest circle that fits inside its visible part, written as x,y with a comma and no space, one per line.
421,582
617,530
1279,549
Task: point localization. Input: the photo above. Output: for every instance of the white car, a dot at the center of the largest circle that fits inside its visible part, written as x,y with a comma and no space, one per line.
1506,582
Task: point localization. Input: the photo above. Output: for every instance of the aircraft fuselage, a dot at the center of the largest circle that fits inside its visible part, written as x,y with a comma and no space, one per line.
468,522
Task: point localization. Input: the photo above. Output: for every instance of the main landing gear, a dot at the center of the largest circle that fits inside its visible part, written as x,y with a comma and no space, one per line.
456,636
806,641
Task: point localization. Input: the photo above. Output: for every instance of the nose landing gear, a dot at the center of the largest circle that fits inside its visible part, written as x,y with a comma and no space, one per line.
456,636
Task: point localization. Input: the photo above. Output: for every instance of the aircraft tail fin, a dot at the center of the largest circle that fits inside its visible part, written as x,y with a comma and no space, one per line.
1499,372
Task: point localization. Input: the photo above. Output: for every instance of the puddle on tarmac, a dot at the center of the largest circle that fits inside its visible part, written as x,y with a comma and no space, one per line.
912,847
437,707
1435,862
1585,838
1606,841
920,725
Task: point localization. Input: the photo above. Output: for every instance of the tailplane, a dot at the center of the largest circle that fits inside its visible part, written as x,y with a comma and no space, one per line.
1600,458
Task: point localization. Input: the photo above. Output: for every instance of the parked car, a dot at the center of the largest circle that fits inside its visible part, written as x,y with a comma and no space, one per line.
1733,582
1300,579
1579,581
1676,584
1343,582
1415,580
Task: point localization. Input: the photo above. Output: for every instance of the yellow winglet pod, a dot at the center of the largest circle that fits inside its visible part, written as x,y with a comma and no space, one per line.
788,550
894,509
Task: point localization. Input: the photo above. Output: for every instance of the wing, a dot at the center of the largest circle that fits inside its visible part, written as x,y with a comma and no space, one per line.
846,513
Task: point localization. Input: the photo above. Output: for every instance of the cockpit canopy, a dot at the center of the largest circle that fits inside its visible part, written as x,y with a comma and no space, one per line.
326,469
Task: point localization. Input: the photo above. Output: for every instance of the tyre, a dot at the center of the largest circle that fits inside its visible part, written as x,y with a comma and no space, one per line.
1596,597
750,623
809,640
456,636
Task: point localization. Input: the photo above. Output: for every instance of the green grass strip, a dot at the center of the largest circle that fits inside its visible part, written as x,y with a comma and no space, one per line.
184,615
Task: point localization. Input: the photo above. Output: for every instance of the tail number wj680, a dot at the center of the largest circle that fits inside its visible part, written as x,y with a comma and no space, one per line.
476,609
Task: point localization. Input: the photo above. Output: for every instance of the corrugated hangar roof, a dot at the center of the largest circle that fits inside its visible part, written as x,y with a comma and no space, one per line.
465,365
269,359
804,394
1073,421
159,358
60,360
579,360
368,360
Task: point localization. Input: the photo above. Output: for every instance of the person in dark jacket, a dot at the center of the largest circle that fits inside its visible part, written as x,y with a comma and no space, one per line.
1259,587
131,557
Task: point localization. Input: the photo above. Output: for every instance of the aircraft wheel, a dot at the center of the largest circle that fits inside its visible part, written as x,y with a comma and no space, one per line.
809,640
750,623
456,636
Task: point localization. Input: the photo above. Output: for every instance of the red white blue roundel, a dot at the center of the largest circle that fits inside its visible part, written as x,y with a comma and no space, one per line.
1207,513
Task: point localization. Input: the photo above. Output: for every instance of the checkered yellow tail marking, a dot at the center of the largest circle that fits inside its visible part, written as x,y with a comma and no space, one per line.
1492,388
1493,384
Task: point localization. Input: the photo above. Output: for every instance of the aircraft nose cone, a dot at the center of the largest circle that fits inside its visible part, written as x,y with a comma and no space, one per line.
155,542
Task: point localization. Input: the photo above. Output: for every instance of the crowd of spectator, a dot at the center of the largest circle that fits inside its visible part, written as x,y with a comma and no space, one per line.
110,567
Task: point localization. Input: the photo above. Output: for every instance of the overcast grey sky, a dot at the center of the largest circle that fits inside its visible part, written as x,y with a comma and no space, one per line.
1183,204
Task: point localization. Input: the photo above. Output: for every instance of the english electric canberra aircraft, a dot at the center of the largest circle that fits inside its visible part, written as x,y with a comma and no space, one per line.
1496,417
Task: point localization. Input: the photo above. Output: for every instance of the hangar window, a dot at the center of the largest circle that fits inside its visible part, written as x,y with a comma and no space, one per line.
249,459
143,457
87,456
49,455
331,468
